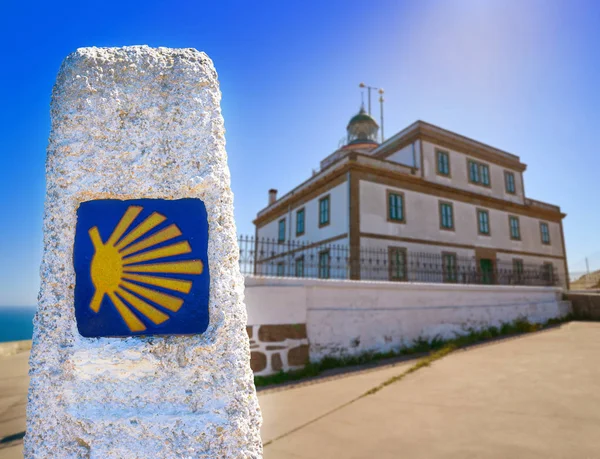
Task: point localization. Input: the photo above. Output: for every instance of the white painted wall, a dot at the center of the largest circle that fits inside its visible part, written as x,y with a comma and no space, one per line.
460,178
312,233
275,301
423,222
351,317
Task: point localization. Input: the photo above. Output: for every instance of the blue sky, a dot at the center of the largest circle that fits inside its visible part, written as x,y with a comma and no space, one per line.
521,75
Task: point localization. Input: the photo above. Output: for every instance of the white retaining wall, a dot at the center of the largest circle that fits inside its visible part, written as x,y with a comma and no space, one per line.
351,317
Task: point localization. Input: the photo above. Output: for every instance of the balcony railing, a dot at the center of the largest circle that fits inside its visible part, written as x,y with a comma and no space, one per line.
267,257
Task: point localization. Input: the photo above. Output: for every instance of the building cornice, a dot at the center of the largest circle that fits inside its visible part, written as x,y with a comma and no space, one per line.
534,208
444,138
401,177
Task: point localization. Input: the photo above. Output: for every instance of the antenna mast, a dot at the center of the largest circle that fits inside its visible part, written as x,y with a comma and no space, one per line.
381,99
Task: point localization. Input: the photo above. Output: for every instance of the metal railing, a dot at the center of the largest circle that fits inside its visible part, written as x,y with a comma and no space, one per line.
267,257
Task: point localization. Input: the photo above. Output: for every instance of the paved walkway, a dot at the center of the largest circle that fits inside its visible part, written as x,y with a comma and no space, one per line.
535,396
13,398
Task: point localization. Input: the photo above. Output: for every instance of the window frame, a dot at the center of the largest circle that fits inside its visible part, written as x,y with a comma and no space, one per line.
486,168
300,233
440,205
281,264
476,180
299,259
489,226
510,232
400,194
438,154
281,240
548,269
392,250
450,276
326,198
479,167
547,225
328,266
508,174
518,272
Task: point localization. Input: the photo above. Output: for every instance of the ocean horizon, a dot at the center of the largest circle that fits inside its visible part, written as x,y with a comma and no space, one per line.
16,323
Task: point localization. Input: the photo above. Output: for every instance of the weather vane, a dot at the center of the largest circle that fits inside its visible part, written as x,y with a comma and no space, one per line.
381,100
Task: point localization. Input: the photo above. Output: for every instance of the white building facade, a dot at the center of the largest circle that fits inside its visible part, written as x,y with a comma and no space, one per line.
425,205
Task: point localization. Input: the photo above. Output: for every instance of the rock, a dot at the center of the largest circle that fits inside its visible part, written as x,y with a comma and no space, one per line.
130,123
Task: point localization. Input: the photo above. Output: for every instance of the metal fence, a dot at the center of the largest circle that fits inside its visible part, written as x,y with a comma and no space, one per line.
267,257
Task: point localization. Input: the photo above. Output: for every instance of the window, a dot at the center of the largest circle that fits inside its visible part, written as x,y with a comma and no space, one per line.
281,269
281,234
449,267
548,273
395,207
473,172
300,266
545,233
515,232
446,217
485,174
518,270
483,222
443,163
324,264
397,263
300,222
324,211
478,173
509,182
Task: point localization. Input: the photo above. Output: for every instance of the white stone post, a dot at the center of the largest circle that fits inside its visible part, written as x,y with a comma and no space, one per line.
128,124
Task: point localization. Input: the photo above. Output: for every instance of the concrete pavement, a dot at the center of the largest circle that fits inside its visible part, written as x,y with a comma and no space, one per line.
14,364
535,396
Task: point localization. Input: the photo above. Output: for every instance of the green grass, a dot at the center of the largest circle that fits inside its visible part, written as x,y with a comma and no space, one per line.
436,349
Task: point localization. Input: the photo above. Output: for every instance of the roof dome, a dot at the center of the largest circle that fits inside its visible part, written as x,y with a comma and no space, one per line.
362,128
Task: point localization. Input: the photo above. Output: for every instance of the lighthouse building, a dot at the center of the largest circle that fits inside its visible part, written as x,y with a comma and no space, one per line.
426,204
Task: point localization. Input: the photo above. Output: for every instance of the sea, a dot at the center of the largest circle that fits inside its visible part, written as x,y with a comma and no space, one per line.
16,323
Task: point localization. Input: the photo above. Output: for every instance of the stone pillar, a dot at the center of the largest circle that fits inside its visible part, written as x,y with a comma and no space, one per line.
124,365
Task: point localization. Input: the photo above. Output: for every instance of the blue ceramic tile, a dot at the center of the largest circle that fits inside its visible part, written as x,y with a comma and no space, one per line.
141,267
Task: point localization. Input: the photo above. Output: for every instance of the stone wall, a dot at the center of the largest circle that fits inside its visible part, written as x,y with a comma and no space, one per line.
275,348
585,305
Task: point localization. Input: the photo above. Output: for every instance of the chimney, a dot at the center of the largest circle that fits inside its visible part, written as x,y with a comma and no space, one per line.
272,196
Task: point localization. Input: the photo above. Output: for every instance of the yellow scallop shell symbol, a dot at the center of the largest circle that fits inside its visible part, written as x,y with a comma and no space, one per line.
116,270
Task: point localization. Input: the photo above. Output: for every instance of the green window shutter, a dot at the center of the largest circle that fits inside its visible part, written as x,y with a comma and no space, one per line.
300,222
281,235
300,267
484,222
474,172
545,233
396,207
443,163
397,262
510,182
446,211
449,267
324,211
324,265
485,174
514,228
